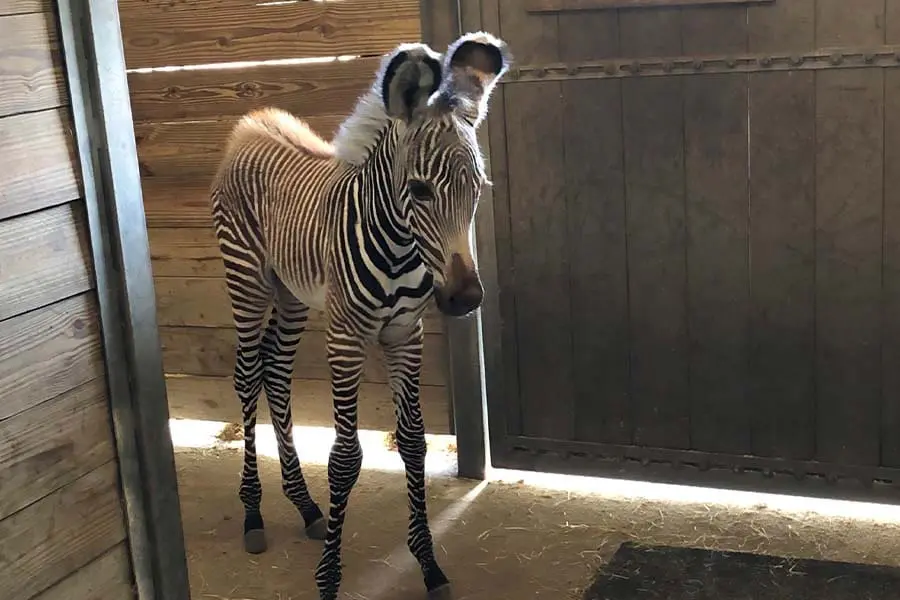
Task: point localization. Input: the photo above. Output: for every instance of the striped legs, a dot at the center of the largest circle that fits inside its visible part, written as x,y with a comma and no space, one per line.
403,356
346,356
279,347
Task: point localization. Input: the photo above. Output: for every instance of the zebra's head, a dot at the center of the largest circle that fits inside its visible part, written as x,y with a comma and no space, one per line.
438,103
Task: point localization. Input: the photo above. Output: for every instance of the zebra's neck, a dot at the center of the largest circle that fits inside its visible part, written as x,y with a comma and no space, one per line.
379,213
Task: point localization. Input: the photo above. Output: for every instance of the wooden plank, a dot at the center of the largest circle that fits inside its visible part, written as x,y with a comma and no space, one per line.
176,202
61,533
595,206
539,6
54,443
782,27
890,356
842,23
257,32
194,148
213,399
105,578
718,262
188,252
716,173
849,181
45,258
47,352
782,238
32,77
204,302
304,89
538,227
16,7
210,352
653,123
39,162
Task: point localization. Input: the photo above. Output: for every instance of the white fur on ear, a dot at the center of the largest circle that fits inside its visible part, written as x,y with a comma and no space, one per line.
407,77
472,66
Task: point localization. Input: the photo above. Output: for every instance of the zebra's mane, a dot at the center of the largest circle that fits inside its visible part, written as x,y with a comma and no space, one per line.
281,127
359,132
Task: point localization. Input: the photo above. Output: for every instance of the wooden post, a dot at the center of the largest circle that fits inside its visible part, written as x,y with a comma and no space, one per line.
95,67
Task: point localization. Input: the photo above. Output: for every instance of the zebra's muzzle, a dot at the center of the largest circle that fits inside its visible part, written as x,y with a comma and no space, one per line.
462,291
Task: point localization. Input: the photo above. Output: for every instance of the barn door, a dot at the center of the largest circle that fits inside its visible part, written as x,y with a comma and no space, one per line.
696,231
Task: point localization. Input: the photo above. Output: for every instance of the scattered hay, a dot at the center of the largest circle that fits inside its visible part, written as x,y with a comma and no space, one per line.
232,432
390,441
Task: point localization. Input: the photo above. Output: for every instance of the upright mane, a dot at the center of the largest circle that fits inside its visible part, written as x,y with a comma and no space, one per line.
358,134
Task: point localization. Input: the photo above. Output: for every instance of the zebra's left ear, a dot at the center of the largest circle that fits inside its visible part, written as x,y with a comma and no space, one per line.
472,66
407,78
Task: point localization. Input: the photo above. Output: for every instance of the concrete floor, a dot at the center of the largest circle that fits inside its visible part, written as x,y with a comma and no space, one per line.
495,541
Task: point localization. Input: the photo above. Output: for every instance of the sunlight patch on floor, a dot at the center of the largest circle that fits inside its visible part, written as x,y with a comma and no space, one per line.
313,444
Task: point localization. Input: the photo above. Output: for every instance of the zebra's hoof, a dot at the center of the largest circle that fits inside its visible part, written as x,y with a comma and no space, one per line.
441,593
255,541
317,529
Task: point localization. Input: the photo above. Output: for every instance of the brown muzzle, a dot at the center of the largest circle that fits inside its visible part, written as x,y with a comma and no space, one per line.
462,292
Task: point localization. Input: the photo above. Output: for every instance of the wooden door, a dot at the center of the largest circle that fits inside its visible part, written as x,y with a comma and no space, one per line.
696,224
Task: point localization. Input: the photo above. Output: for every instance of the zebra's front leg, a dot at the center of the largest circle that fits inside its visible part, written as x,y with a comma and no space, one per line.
346,356
403,356
286,326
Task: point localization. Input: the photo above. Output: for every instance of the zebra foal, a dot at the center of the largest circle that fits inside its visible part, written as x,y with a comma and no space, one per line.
367,228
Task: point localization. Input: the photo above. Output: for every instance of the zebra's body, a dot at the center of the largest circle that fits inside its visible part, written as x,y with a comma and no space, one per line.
368,229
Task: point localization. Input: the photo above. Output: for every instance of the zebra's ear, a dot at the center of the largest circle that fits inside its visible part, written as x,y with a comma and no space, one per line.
408,77
472,66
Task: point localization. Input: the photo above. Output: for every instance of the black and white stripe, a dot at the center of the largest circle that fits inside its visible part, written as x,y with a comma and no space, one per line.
368,230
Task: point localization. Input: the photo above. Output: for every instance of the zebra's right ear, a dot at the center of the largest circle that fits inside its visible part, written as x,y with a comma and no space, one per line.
408,77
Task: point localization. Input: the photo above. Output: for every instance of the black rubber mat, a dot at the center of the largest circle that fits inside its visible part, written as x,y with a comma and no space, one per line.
656,573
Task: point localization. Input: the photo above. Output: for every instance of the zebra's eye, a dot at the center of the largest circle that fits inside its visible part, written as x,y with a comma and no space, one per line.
420,190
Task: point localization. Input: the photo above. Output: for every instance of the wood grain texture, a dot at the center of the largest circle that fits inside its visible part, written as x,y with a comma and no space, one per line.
539,6
538,232
47,352
32,77
841,23
653,124
188,252
849,221
246,31
194,148
782,238
54,443
176,202
204,302
213,399
890,356
210,352
40,166
104,578
303,89
45,257
61,533
16,7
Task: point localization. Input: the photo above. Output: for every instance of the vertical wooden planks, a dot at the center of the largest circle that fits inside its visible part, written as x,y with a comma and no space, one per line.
890,355
849,219
715,109
595,201
782,238
653,125
538,227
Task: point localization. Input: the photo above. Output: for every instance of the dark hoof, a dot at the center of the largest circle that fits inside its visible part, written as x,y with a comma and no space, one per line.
255,541
317,529
441,593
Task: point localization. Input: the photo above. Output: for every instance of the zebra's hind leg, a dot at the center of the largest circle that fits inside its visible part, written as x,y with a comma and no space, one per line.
249,303
286,326
403,356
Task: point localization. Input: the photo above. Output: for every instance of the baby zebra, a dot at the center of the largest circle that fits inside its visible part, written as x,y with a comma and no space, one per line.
367,228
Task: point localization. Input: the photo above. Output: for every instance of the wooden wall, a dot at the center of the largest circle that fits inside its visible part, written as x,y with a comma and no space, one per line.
61,517
182,118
